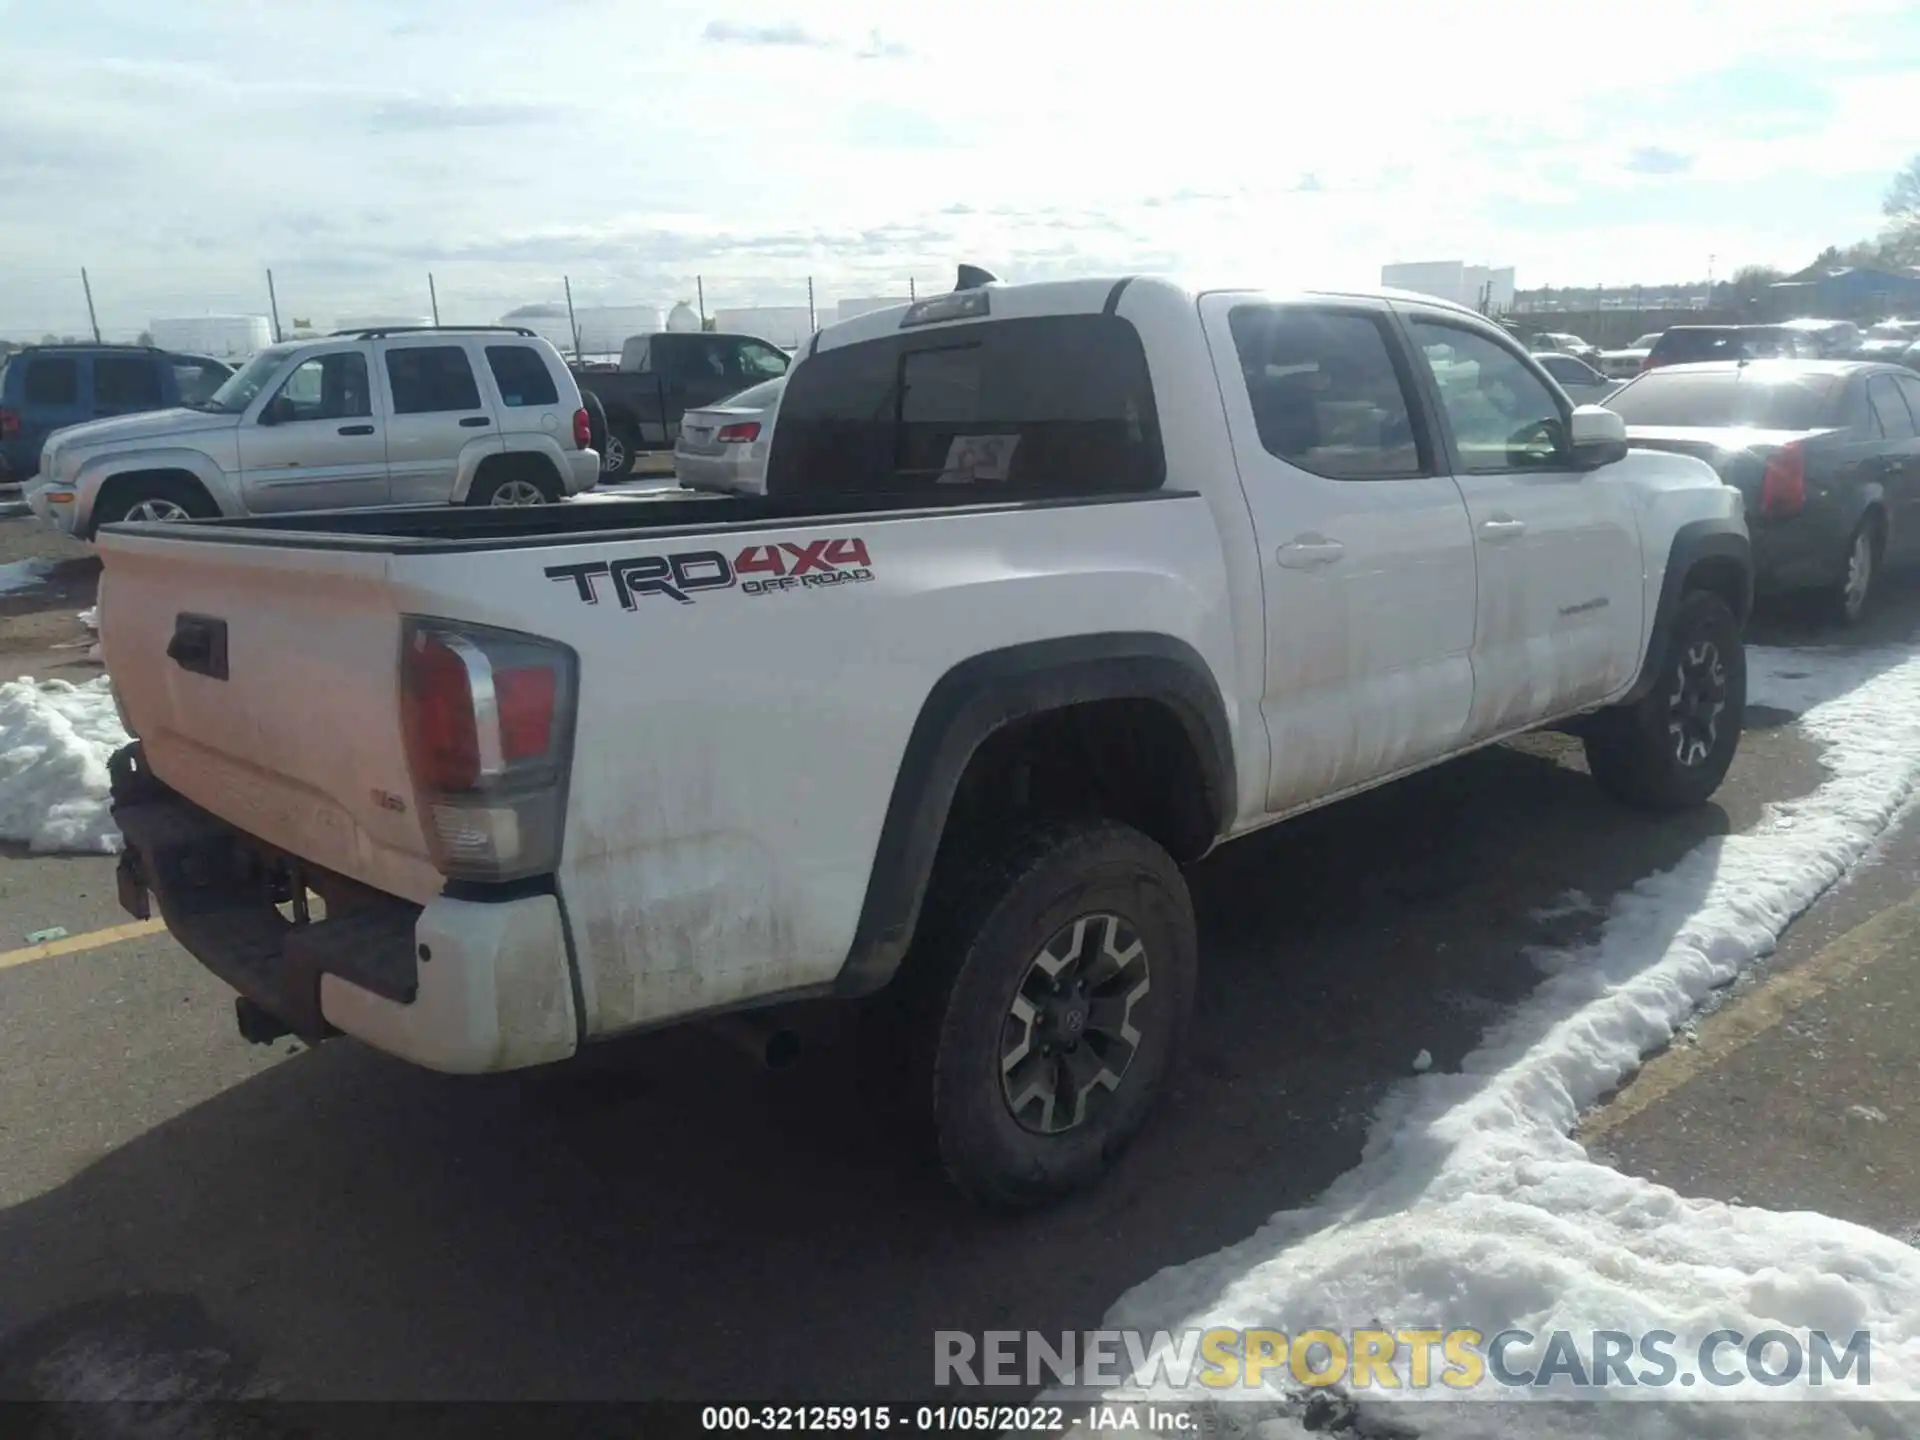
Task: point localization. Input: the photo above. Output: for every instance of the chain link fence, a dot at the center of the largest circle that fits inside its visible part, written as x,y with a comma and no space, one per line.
589,314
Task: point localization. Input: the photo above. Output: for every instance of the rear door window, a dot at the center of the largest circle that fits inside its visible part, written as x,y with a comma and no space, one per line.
522,375
431,378
1325,392
125,382
1057,404
51,381
1889,410
1910,392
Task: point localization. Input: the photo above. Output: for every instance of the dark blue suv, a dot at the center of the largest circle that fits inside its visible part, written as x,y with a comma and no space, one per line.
45,387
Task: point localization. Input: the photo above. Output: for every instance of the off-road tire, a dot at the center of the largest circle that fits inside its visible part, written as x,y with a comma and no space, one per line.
1635,752
938,1035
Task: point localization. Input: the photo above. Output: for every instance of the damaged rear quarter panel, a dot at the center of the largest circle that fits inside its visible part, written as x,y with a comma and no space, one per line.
737,743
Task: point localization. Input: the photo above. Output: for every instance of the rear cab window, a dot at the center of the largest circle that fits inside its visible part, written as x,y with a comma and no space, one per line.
1043,405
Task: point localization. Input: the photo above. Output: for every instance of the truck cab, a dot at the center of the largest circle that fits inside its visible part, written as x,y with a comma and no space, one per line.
660,377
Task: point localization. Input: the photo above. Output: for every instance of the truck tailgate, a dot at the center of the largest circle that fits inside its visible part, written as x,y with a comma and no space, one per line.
278,707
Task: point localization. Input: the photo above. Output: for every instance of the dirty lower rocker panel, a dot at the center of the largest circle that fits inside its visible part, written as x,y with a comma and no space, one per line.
219,890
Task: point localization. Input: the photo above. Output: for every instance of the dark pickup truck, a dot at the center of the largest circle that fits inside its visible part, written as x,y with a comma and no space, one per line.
44,388
661,377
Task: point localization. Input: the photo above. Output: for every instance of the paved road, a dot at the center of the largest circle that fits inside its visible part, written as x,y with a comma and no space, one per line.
666,1219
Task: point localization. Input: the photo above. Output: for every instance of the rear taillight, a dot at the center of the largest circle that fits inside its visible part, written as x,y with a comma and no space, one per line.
1783,489
582,430
9,423
741,434
487,717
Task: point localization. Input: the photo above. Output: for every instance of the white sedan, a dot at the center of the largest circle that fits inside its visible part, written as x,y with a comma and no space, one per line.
723,446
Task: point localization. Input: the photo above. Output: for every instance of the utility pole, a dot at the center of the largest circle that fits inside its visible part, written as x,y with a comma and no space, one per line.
812,323
700,293
93,319
433,297
273,305
911,293
573,325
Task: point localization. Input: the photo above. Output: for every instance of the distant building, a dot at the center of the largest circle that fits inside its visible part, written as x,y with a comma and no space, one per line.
785,325
1846,292
1484,287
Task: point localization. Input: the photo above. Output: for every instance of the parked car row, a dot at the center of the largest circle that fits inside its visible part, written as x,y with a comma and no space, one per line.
1897,341
396,416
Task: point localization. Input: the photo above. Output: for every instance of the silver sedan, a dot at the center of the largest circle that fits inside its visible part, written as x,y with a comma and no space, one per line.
724,446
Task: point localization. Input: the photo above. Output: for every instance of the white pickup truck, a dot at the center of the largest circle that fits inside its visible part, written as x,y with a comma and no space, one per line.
1055,587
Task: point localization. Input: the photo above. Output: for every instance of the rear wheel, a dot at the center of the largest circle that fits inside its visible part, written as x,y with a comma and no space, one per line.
1042,1008
616,454
523,485
1671,749
1847,601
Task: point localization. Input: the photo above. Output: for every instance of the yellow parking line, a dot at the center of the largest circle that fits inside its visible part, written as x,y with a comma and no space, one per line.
1740,1022
74,944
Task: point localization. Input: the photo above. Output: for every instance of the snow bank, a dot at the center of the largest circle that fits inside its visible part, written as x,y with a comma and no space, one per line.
1472,1206
55,738
16,575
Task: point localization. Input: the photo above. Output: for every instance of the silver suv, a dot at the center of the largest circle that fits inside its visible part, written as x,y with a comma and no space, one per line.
475,416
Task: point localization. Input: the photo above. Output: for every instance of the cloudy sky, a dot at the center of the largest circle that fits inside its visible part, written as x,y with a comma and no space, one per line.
180,149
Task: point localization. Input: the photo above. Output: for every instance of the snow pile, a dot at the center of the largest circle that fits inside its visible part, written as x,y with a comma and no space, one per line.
90,617
1472,1206
17,575
55,738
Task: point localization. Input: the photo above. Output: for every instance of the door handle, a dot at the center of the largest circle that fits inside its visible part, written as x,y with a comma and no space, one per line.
473,422
1304,552
1503,527
356,429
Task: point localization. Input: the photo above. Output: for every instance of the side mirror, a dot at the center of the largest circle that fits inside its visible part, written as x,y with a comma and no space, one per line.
1598,437
273,412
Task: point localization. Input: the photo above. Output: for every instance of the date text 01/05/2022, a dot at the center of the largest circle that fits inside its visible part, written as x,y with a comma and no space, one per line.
756,570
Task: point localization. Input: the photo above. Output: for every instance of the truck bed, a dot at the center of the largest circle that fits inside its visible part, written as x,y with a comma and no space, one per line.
444,529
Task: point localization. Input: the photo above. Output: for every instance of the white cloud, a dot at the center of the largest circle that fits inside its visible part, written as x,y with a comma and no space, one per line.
180,151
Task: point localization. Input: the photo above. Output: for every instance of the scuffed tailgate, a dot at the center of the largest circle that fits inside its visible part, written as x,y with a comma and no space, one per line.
264,684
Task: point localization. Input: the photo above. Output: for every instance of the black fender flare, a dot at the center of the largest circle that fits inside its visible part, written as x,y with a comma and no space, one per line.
1693,542
981,695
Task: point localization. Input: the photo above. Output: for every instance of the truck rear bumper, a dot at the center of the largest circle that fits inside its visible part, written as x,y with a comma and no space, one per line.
457,985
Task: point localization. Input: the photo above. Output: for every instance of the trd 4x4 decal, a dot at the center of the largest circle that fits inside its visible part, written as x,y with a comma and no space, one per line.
756,570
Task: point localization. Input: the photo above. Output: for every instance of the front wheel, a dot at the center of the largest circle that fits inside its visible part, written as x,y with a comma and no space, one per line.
1671,749
162,499
1044,1005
